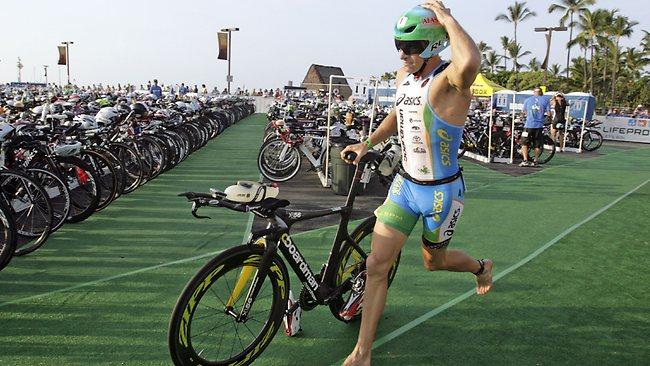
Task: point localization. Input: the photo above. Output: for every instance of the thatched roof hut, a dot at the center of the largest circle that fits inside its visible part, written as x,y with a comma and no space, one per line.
318,77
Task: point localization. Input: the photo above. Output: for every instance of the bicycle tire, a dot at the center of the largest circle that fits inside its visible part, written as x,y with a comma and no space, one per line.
26,198
7,235
348,269
107,175
131,163
58,194
270,166
592,141
184,345
83,185
546,154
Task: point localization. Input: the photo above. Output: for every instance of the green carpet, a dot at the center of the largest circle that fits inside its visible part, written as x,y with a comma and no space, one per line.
580,302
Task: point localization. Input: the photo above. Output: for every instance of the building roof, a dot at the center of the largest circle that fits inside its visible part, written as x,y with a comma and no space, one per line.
324,72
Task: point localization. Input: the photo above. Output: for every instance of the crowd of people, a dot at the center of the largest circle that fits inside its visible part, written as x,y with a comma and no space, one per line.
639,112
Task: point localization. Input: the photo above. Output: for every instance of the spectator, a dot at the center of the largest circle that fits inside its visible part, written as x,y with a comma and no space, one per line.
196,89
204,89
183,89
559,115
149,85
537,108
639,112
215,90
155,89
225,91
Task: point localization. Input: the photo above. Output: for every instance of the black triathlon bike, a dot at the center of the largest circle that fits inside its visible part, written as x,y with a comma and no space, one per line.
232,308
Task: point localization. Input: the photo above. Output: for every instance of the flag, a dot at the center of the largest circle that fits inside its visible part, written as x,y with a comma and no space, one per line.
63,60
222,37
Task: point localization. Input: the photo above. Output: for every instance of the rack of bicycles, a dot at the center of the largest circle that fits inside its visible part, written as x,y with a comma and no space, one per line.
499,139
65,158
297,130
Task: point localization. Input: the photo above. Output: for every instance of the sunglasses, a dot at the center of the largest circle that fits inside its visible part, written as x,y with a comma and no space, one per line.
411,47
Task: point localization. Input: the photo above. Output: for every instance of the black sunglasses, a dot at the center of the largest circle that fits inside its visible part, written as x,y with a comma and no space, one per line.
411,47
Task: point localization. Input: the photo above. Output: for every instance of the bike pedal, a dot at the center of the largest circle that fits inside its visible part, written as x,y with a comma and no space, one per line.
355,302
291,319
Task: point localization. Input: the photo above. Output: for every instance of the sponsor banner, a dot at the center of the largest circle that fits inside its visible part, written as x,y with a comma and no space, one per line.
63,60
625,129
222,37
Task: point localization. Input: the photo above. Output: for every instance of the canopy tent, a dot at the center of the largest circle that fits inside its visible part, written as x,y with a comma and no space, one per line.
482,87
581,105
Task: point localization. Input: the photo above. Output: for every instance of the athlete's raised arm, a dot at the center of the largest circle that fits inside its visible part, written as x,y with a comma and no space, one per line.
465,57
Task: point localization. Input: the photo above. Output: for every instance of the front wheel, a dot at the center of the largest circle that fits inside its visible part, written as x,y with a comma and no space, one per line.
351,262
204,329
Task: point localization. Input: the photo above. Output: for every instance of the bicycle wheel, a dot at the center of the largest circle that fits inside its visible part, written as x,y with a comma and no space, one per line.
58,193
546,153
131,163
277,161
7,235
30,207
83,185
592,140
202,330
351,263
107,175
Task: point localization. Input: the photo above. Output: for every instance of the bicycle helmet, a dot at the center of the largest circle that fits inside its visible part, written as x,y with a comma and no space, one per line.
421,24
106,115
87,122
139,109
65,150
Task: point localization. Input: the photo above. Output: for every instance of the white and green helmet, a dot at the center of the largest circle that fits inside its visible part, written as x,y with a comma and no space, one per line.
421,24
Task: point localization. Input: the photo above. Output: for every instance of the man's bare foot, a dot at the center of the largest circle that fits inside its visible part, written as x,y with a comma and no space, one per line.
484,280
357,359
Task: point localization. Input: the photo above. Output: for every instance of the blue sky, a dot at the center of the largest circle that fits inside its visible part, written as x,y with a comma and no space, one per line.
138,40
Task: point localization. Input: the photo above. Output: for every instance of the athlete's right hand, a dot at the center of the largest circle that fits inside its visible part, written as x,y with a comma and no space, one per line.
360,149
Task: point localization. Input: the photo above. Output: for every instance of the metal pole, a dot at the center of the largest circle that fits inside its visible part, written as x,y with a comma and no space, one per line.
374,105
584,121
229,76
490,129
548,50
512,131
327,140
567,117
67,59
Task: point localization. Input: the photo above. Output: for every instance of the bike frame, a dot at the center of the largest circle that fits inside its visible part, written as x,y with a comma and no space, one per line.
278,237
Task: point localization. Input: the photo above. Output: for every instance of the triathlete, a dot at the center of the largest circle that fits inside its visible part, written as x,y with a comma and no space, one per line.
430,110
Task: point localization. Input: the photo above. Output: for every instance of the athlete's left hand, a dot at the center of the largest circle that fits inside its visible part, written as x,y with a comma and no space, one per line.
436,6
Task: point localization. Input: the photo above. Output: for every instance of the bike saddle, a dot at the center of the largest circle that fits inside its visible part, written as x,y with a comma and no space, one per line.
272,204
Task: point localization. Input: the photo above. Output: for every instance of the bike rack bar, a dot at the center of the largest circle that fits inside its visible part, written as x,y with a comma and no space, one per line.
512,131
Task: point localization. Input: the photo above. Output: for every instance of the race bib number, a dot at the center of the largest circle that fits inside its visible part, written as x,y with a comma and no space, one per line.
524,134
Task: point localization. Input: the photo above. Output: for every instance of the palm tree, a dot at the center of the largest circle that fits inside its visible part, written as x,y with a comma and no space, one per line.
388,77
492,60
505,41
635,61
516,14
645,42
579,69
584,43
620,27
515,52
570,7
534,64
483,48
555,70
591,25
